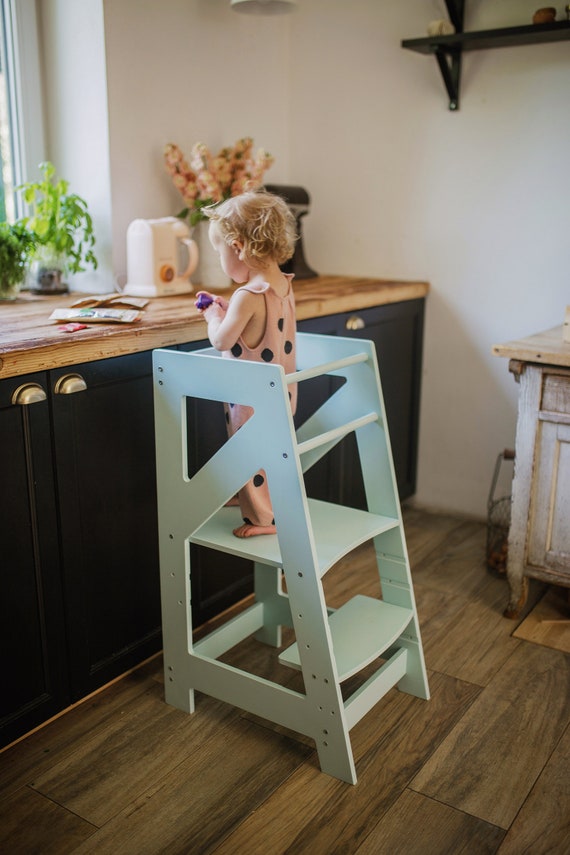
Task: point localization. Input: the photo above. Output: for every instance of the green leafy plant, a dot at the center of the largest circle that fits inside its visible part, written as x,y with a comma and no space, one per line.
59,221
16,244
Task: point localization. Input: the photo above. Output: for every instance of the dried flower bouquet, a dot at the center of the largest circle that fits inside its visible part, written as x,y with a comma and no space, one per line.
209,179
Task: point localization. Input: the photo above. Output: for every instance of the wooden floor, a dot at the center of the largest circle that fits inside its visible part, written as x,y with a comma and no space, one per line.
480,768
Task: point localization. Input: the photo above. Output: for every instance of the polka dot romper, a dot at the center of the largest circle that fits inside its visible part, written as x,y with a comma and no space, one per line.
276,346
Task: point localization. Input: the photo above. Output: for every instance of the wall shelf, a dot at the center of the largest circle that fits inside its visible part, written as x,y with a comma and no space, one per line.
448,49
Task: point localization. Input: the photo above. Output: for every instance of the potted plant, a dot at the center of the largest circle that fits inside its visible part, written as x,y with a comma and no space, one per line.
16,243
62,231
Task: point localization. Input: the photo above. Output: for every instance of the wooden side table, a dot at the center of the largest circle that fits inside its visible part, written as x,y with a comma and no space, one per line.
539,536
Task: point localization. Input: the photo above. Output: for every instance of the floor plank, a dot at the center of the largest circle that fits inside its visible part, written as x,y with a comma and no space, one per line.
113,768
543,825
445,831
453,641
426,532
204,797
490,762
549,621
61,737
456,564
357,573
32,825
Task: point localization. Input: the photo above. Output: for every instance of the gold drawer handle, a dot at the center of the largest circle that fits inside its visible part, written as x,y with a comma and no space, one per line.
355,322
69,384
28,393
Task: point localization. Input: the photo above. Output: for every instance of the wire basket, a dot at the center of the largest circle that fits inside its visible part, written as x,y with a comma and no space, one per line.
498,521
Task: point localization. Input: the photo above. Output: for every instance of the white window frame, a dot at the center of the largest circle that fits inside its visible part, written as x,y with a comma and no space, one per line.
25,96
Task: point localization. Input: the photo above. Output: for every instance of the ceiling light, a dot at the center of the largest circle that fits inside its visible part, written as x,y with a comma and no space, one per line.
263,7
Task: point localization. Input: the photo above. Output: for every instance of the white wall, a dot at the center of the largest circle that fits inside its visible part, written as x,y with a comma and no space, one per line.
73,61
475,202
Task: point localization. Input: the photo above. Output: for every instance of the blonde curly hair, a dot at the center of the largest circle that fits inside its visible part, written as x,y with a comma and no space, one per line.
261,221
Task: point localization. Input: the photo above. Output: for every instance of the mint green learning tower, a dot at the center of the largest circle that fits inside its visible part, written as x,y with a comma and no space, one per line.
330,645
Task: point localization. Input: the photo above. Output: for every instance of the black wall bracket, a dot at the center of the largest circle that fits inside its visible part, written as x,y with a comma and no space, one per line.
449,62
450,66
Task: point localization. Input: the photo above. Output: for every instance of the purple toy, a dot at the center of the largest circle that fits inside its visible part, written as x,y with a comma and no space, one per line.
203,301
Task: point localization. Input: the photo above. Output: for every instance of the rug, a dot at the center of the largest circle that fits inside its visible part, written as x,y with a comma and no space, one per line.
549,621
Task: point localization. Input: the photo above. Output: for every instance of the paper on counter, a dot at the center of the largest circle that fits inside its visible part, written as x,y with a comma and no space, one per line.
93,315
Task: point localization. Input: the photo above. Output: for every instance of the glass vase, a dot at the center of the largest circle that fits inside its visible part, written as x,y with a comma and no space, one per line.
208,274
9,291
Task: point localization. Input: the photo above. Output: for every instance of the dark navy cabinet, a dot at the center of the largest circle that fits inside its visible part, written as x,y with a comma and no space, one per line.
397,332
79,580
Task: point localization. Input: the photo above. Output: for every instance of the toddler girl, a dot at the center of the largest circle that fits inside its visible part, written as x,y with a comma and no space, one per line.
253,234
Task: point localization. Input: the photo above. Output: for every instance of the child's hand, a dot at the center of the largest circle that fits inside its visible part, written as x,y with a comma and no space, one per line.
204,300
222,303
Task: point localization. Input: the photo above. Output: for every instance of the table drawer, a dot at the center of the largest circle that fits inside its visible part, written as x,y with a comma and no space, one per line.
556,394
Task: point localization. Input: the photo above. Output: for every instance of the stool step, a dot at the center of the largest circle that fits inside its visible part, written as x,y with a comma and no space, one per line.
326,368
335,434
362,629
337,530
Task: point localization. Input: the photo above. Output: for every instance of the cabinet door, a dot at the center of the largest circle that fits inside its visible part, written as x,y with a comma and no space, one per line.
323,480
397,332
32,640
218,580
106,479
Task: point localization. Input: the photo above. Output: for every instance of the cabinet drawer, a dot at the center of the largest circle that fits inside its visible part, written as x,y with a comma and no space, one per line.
556,394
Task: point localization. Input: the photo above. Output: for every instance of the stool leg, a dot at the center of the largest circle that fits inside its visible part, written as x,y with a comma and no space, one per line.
335,753
269,591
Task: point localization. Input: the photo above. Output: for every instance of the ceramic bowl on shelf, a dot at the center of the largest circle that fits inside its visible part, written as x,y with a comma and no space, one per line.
545,15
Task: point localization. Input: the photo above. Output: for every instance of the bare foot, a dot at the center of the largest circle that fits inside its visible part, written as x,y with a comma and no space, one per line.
247,530
231,503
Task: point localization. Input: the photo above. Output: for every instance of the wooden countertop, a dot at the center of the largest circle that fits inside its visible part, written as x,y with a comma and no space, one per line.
30,342
547,348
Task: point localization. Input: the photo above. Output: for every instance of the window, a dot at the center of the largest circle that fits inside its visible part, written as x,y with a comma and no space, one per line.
6,146
21,111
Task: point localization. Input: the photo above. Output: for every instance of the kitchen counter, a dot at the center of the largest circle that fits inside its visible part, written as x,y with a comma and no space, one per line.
30,342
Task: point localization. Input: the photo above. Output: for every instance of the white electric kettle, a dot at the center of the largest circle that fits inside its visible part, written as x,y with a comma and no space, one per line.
160,258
